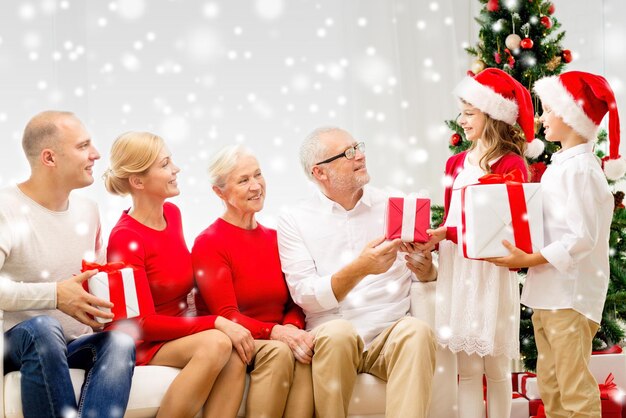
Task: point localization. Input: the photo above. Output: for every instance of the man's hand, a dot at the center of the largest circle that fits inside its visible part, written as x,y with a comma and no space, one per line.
517,258
436,236
379,255
419,262
74,301
240,336
302,343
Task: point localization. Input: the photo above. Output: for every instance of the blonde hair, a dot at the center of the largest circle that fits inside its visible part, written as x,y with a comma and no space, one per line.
132,153
223,163
500,138
41,132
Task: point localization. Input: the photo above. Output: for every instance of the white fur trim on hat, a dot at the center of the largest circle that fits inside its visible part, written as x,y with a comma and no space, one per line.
487,100
615,169
554,94
534,148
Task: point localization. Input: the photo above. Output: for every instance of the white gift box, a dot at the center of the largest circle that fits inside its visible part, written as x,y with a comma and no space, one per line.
487,219
528,386
603,364
101,285
520,408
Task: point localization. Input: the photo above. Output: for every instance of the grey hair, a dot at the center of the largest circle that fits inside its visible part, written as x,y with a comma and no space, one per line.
223,163
312,150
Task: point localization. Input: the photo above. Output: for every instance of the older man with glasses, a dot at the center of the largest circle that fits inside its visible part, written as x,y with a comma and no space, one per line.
351,284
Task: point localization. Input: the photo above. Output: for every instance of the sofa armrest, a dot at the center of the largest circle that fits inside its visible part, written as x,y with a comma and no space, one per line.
423,295
2,365
443,401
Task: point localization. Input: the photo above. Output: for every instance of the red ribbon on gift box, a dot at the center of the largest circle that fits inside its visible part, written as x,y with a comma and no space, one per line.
517,203
116,284
525,377
116,288
104,268
616,349
607,387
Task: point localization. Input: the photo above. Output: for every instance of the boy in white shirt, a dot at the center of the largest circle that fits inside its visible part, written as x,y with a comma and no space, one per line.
568,279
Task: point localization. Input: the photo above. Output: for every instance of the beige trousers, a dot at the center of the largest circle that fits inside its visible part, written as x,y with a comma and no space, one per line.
280,386
403,355
567,387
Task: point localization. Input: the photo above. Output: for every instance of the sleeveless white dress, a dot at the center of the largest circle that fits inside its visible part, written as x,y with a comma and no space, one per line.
477,308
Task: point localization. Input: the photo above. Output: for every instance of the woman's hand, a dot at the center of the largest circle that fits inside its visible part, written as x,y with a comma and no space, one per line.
240,337
302,343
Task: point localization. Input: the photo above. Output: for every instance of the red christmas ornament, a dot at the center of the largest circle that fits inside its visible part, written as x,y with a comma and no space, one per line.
546,22
566,54
497,58
510,60
493,5
526,43
551,9
455,139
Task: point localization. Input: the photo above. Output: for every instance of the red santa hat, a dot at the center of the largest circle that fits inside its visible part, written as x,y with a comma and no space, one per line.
504,98
582,100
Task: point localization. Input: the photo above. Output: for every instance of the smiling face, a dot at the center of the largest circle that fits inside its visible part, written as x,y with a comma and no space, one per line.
554,128
244,189
161,178
472,120
74,154
342,174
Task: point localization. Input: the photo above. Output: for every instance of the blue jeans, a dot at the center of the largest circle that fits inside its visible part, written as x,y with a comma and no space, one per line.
37,348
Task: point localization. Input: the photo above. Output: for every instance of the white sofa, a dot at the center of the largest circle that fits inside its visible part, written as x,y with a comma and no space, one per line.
368,400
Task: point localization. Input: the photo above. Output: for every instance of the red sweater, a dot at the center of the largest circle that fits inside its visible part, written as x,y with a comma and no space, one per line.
454,166
239,276
163,257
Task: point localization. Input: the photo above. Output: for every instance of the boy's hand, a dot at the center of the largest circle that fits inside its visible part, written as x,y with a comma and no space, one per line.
517,258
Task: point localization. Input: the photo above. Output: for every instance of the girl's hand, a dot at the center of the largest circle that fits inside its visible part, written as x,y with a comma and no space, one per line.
436,236
241,338
301,343
517,258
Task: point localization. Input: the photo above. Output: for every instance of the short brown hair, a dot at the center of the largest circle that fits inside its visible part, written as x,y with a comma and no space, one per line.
41,132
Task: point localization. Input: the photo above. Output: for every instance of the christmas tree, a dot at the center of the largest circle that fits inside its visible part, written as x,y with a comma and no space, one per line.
522,37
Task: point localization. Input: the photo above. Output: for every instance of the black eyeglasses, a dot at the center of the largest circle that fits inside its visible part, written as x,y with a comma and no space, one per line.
349,153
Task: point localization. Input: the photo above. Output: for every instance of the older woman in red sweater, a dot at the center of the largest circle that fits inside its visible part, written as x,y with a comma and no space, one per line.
238,273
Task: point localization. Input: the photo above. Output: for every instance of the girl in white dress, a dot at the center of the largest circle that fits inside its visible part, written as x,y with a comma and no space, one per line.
477,309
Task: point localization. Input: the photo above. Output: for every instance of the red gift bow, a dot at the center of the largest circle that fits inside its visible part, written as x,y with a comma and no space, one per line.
514,176
104,268
607,387
517,202
616,349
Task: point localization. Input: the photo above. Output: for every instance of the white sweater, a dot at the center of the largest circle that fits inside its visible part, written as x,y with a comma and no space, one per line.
39,247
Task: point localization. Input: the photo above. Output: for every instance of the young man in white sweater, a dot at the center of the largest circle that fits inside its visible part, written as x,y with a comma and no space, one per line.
44,235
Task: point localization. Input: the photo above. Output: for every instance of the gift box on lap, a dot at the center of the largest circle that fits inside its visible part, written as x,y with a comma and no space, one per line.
130,294
407,218
500,208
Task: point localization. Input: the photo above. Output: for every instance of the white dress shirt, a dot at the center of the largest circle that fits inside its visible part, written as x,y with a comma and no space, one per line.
578,209
317,238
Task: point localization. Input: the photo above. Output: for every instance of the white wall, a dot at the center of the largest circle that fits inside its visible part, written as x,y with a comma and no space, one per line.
208,73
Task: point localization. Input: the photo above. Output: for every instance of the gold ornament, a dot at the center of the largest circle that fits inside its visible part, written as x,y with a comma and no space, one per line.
553,63
537,123
478,66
